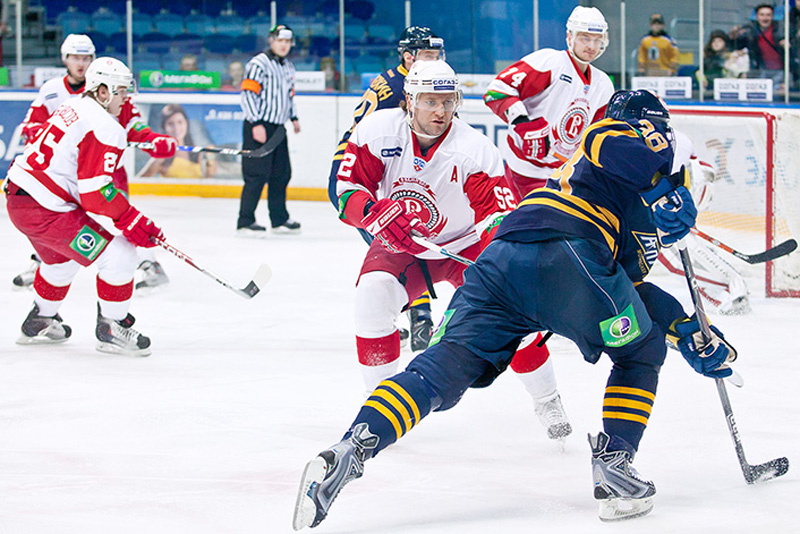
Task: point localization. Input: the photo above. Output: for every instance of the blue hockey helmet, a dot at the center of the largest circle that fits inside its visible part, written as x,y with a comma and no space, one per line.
641,104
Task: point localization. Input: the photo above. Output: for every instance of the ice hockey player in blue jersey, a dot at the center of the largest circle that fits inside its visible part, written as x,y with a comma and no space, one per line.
386,92
572,259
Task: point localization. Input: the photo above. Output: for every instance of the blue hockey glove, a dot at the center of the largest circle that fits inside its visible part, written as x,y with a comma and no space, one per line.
706,358
674,212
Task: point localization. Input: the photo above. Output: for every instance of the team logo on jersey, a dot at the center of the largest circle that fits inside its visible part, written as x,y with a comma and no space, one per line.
565,78
391,152
88,243
419,163
620,329
423,207
572,125
108,191
586,89
648,249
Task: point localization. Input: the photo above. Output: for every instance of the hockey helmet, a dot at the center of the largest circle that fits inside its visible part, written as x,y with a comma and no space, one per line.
415,38
587,20
110,72
77,44
431,77
640,104
281,31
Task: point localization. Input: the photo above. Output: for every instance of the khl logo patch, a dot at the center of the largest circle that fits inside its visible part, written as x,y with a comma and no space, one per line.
419,164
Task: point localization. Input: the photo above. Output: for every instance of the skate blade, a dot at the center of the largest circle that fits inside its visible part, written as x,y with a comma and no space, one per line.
621,509
305,511
147,290
39,340
110,348
251,234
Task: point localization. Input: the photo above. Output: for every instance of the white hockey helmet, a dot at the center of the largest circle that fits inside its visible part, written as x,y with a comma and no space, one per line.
586,20
110,72
432,77
77,44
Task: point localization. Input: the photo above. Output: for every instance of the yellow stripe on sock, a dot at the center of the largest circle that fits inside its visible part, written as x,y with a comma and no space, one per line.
425,298
387,413
614,402
405,395
626,416
396,404
631,391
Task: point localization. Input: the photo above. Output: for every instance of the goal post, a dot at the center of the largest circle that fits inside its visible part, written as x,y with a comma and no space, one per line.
755,201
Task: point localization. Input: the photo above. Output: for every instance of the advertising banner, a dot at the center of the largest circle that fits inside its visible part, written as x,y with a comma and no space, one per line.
177,79
743,89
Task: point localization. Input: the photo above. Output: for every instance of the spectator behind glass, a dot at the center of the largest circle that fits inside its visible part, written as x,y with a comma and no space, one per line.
235,76
184,164
328,66
189,62
658,53
715,56
763,40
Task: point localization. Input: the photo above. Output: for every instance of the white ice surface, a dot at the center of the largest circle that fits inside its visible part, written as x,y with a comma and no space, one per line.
211,432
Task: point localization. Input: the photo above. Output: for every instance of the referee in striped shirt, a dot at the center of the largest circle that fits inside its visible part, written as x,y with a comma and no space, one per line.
267,100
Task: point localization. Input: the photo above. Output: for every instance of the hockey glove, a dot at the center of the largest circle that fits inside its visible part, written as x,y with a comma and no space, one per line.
388,221
31,130
164,146
674,212
529,140
708,358
137,228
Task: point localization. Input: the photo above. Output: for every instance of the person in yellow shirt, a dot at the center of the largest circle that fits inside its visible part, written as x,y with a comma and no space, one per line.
658,53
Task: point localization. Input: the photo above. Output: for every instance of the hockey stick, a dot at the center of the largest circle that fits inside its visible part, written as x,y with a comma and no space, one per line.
260,279
267,148
419,240
782,249
752,473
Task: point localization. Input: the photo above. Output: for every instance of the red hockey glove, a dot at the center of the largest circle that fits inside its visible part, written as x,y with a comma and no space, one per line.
530,140
388,221
164,146
137,228
30,131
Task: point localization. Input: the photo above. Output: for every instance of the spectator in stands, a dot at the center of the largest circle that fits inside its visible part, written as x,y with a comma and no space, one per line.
716,54
189,62
658,53
235,77
174,122
328,66
763,39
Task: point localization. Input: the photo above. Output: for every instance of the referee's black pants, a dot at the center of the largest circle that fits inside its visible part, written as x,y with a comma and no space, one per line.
273,170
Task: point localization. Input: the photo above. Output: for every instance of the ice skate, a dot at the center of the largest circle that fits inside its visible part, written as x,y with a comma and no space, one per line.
25,279
552,415
288,227
326,475
404,335
421,326
735,306
253,231
38,330
153,276
119,337
622,492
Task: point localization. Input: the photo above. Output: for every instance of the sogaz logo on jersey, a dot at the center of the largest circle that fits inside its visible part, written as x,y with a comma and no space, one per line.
621,329
419,164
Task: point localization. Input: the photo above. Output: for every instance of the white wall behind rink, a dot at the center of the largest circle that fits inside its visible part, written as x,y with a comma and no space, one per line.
323,119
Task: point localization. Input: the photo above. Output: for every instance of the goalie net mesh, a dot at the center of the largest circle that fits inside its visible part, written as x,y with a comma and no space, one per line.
755,200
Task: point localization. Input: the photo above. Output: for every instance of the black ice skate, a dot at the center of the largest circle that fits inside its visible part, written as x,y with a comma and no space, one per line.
421,326
553,417
622,492
153,275
38,330
288,227
326,475
119,337
25,279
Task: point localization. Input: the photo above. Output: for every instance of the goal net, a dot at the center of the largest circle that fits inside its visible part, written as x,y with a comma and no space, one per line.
755,200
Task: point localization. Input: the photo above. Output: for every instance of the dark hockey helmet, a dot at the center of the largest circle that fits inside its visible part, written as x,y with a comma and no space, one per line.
642,104
416,38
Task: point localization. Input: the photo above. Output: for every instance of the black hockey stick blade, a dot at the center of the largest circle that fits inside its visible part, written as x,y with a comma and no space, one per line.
782,249
262,276
766,471
269,147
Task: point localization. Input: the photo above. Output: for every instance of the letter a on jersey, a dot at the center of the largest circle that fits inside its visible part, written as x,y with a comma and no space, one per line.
454,176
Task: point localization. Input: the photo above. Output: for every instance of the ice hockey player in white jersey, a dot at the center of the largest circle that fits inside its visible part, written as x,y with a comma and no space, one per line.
548,98
77,52
718,281
416,168
52,188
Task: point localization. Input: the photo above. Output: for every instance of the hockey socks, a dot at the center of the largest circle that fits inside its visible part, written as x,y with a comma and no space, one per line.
378,358
394,408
